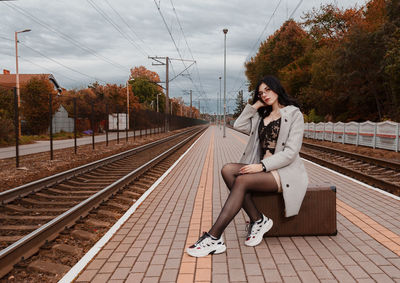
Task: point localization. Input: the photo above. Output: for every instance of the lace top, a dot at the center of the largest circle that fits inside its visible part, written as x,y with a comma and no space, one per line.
268,136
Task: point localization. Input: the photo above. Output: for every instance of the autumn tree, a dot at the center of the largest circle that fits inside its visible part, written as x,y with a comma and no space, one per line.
35,104
144,86
328,24
359,66
6,115
341,64
7,102
391,62
287,54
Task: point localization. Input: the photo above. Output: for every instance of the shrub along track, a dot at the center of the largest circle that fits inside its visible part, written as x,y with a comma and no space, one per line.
70,211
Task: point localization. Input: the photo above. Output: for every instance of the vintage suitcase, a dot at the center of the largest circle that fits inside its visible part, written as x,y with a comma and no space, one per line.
317,214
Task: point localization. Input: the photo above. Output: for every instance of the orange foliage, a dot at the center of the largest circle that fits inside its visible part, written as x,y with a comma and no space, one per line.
142,72
329,24
375,15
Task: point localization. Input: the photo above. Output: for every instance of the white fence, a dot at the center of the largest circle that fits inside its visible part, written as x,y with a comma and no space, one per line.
377,135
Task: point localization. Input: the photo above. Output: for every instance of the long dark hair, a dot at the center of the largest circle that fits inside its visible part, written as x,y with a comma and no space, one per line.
274,84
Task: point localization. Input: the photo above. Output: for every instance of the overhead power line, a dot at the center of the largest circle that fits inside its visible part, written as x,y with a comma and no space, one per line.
258,39
51,71
187,44
295,9
61,64
173,40
6,38
129,26
116,26
66,37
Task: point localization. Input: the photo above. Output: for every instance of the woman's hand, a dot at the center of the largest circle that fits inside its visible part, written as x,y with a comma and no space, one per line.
259,104
251,168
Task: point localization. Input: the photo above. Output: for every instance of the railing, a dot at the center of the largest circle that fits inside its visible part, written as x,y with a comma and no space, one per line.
383,135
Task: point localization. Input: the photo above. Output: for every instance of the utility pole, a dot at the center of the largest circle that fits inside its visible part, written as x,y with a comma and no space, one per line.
167,92
157,59
167,80
17,76
219,109
225,32
191,116
127,105
217,118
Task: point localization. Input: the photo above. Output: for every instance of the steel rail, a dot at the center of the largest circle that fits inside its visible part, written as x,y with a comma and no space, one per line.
10,195
29,244
382,184
372,160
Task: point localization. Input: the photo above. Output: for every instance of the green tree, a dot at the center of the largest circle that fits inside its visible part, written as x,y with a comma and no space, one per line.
144,86
240,104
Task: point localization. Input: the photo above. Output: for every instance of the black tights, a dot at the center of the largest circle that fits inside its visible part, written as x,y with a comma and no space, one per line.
240,187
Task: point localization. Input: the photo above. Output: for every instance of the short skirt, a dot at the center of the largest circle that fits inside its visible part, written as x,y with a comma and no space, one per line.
277,179
275,173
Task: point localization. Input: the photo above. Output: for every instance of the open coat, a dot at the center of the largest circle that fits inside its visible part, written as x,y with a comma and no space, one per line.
286,159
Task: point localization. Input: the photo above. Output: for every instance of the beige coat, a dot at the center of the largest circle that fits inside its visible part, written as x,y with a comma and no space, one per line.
286,159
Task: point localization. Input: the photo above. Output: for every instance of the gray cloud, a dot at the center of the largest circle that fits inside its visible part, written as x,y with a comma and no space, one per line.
202,22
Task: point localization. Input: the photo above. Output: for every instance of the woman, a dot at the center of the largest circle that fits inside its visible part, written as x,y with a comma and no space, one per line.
270,163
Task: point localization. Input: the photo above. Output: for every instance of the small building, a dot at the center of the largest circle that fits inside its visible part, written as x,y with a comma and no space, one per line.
62,122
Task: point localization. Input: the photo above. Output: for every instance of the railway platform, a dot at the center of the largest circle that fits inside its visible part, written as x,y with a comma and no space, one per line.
148,244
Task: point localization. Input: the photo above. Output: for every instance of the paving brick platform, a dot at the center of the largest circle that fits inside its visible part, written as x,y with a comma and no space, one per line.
150,245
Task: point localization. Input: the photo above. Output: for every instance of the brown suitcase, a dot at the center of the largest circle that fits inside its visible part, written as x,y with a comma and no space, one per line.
317,214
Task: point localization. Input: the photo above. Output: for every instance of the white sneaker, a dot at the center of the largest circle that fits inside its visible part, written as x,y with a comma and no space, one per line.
257,230
206,245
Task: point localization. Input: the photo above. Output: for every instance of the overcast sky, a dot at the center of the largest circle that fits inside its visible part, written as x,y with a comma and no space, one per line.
83,41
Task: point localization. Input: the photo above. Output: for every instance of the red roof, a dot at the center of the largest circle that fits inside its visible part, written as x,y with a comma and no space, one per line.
9,80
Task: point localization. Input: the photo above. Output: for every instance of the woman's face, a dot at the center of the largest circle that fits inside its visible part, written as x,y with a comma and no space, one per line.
267,95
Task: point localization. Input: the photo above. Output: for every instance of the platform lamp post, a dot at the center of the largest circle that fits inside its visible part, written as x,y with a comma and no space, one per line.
225,32
17,75
219,109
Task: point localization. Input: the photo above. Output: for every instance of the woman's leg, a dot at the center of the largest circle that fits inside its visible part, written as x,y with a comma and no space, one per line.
255,182
229,173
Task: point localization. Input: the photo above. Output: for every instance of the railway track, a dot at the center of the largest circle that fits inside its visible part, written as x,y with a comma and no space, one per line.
81,204
379,173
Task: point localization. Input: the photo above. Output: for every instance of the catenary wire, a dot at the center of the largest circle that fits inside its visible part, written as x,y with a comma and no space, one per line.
66,37
190,51
126,23
116,26
173,40
61,64
51,71
258,39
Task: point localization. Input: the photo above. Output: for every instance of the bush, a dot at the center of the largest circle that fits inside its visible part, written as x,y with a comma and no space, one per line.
6,130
